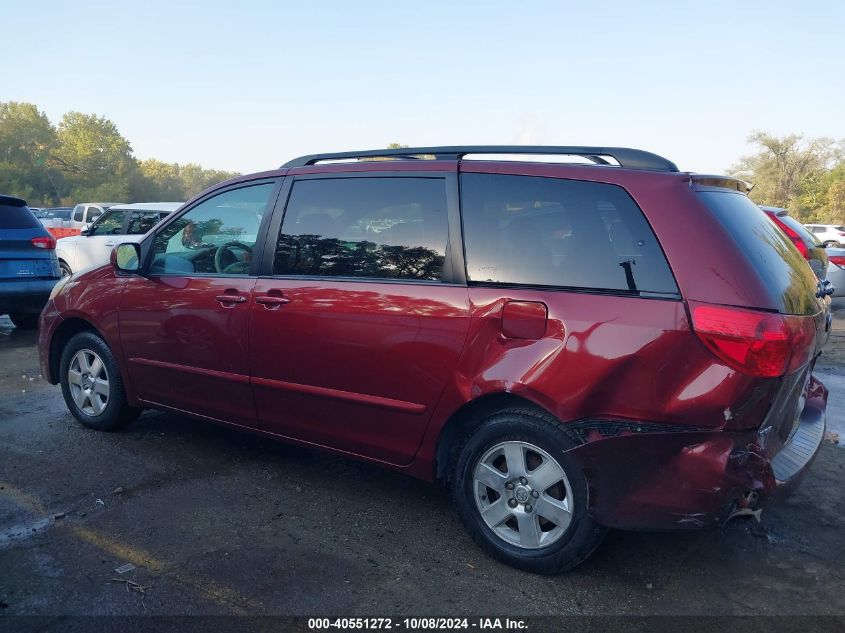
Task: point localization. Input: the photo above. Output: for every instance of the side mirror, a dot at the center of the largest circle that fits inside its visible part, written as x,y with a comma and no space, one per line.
85,230
126,258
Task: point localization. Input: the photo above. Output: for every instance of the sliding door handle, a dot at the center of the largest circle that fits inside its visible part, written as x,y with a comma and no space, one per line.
271,302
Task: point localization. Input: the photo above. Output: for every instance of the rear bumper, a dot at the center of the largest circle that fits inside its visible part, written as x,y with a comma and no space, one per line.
693,479
792,461
25,295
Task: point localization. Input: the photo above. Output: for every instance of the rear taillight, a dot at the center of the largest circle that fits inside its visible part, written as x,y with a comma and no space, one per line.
756,343
793,236
48,242
839,260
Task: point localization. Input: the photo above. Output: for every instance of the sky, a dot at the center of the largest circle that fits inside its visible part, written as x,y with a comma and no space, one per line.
247,85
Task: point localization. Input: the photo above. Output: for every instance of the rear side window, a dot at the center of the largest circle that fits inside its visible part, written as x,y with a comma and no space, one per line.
566,233
142,221
12,217
780,265
393,228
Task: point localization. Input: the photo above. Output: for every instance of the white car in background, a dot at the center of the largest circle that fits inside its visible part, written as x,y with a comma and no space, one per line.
93,246
828,234
836,270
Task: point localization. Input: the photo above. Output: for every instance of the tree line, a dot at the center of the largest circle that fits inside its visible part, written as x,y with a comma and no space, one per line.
806,176
85,158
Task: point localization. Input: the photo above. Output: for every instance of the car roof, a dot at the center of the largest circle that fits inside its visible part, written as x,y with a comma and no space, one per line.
149,206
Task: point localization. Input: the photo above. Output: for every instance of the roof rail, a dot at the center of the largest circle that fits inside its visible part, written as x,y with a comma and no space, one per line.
628,158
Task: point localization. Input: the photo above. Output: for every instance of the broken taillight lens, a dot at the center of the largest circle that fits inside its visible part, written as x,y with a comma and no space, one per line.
756,343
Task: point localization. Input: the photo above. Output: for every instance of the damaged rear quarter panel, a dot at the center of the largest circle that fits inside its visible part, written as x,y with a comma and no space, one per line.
626,361
605,356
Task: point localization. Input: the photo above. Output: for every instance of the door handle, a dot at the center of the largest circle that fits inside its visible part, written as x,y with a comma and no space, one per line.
271,302
109,243
229,301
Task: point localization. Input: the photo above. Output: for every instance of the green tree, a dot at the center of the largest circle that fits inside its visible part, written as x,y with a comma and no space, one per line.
791,172
94,157
836,202
159,181
195,179
27,139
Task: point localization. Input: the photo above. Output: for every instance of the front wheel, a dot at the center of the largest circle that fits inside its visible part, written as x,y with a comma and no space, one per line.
92,386
66,271
521,497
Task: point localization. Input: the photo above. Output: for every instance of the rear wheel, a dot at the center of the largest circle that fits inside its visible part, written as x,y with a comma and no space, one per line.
830,244
521,497
92,386
24,320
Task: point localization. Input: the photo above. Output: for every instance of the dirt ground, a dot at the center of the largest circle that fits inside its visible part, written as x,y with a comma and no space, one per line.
216,522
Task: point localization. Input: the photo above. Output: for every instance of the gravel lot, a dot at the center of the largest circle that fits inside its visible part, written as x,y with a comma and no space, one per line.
217,522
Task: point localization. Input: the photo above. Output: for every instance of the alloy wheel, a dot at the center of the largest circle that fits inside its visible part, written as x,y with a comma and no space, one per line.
523,494
89,382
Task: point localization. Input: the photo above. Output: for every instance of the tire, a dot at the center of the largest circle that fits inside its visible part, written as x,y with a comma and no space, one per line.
93,391
830,244
65,268
521,535
24,321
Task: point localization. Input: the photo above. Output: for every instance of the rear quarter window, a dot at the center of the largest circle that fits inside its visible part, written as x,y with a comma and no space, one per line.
528,230
777,261
12,217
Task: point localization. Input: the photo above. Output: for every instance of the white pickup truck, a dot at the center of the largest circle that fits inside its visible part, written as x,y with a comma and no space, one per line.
93,246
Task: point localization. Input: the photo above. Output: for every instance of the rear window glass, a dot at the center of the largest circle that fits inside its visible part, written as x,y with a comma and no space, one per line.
142,221
17,218
775,258
551,232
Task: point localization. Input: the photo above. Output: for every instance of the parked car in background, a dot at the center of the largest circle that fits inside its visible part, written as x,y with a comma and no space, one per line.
544,338
61,214
807,244
88,212
836,270
57,220
120,222
28,265
828,234
67,221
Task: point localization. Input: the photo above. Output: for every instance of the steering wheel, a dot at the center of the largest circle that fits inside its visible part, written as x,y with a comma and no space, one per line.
226,261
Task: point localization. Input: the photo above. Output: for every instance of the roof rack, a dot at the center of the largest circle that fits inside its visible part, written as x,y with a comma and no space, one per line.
628,158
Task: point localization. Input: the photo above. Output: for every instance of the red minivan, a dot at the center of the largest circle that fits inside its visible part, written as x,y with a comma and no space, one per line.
542,337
